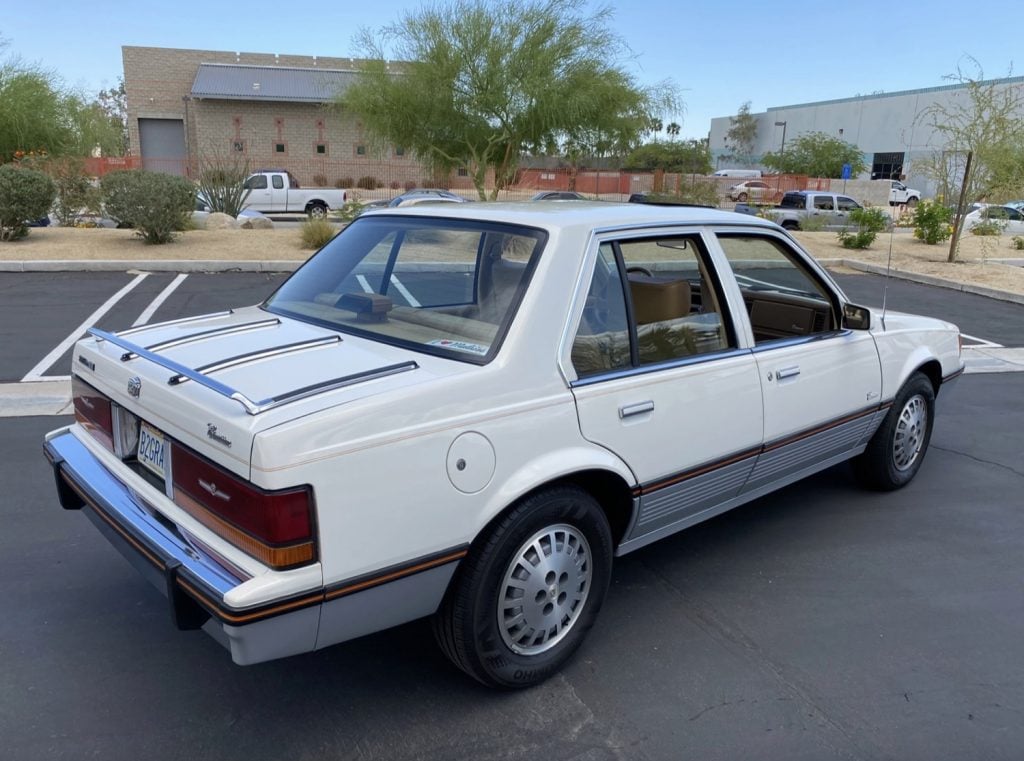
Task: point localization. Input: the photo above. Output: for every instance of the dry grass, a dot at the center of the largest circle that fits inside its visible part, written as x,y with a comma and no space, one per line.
975,265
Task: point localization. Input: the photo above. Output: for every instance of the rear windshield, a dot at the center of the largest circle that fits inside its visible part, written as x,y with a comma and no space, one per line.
442,286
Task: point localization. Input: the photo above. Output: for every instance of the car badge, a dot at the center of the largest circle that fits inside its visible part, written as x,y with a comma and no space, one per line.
211,487
211,432
134,386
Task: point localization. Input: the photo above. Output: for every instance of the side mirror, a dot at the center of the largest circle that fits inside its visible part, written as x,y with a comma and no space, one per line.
855,317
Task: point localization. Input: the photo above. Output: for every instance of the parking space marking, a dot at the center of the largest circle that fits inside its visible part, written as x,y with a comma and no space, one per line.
148,312
364,283
982,342
405,292
36,373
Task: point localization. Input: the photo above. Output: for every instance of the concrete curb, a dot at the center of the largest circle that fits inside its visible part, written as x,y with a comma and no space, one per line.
290,265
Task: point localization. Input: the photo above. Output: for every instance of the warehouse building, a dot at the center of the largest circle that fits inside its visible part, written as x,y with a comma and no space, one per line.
887,127
187,106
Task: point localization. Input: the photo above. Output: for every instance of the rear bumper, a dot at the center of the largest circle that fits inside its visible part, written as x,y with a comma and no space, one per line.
193,582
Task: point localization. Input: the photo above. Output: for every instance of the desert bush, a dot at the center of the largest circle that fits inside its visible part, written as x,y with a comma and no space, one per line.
395,185
75,192
316,231
320,180
812,224
367,182
25,195
931,222
222,188
343,182
351,209
988,227
869,223
157,205
1018,242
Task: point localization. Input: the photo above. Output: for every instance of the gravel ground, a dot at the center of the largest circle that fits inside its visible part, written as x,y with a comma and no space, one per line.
974,267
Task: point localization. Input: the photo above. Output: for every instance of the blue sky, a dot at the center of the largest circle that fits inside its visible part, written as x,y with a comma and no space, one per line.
720,54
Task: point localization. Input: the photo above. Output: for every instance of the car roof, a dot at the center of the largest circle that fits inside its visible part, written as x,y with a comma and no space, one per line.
582,215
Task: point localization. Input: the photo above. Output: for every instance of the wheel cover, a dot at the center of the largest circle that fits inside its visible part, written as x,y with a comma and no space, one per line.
911,427
544,589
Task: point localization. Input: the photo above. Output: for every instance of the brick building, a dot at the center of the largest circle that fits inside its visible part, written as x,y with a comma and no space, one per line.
268,110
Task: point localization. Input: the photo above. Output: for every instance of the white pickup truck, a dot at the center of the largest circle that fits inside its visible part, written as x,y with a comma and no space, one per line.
900,193
277,190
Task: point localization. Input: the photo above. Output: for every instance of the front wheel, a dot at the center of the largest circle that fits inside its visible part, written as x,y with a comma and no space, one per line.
895,452
529,590
742,198
912,202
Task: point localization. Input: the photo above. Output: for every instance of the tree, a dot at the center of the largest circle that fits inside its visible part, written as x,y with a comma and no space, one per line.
983,117
482,83
817,154
114,103
689,156
673,129
742,134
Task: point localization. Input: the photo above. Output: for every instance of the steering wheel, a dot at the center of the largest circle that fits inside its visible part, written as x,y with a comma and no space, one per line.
640,270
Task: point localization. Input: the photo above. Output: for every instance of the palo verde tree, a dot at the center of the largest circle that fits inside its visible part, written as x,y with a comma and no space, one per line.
816,154
481,83
742,134
983,117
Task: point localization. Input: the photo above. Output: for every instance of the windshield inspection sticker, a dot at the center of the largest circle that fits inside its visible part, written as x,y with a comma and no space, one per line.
465,346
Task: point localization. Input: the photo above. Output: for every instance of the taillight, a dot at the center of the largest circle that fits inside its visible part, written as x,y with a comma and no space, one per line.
93,412
276,527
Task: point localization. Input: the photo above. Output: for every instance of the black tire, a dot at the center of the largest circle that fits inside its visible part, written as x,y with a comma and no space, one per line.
789,224
912,202
316,211
895,452
575,538
742,198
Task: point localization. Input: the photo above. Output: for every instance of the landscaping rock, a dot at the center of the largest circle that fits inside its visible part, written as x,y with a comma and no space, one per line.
255,223
220,221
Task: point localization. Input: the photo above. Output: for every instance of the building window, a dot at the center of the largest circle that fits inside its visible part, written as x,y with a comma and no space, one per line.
321,149
360,150
463,172
238,146
280,148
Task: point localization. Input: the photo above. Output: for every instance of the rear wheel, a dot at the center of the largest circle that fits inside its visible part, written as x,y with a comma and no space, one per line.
316,210
790,224
742,197
895,452
529,590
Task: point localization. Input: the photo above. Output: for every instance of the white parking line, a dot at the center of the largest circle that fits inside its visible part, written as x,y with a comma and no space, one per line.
982,342
405,292
36,373
148,312
364,283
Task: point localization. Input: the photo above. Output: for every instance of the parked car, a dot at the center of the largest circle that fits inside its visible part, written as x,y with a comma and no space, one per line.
832,209
467,411
425,195
751,173
1009,218
558,195
755,190
901,194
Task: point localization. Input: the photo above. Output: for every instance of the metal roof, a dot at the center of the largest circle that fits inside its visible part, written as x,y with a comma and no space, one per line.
276,83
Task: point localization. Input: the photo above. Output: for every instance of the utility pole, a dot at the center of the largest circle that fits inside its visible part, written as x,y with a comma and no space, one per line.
958,221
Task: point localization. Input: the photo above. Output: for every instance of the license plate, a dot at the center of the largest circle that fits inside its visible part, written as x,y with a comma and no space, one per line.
153,450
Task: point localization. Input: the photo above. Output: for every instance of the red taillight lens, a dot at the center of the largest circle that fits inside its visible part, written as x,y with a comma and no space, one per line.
275,527
93,412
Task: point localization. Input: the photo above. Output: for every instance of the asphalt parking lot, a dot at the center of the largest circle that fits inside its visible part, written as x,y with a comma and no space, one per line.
820,622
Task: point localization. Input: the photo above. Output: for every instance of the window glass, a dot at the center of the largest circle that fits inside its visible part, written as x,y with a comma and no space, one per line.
278,181
783,299
793,201
847,204
256,182
823,202
602,340
440,286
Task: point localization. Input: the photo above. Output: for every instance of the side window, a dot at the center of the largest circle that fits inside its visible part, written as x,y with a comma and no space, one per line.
847,204
650,301
278,181
823,202
256,182
783,298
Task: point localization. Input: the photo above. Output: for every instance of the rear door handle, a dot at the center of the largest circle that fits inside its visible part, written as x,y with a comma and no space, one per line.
636,409
787,372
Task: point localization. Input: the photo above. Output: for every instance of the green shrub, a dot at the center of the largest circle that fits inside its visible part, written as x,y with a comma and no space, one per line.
367,182
157,205
812,224
870,222
76,194
351,209
316,231
1018,243
988,227
931,222
25,195
320,180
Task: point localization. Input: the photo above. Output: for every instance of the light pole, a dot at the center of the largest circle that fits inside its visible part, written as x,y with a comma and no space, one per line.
783,125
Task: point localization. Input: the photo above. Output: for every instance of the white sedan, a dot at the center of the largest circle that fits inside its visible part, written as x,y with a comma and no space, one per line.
1009,218
467,411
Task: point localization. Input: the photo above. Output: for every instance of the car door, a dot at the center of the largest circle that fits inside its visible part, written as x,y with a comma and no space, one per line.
663,380
821,383
278,193
259,193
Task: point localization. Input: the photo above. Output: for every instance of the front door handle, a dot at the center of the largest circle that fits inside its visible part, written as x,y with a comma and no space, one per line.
787,372
630,410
